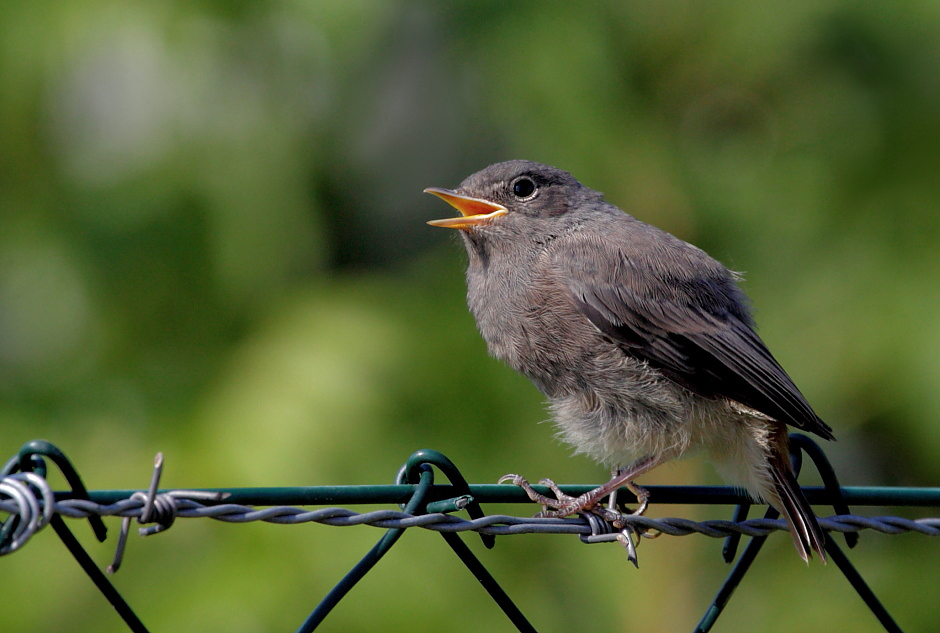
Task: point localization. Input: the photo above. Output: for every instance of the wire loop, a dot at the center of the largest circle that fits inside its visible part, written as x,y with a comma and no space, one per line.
31,515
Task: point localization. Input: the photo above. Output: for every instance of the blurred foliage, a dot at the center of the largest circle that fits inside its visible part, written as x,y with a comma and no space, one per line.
212,243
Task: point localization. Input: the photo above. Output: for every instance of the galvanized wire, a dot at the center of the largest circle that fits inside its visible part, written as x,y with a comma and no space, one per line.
24,491
497,524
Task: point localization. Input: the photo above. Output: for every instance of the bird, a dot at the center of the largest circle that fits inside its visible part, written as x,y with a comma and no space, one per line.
644,346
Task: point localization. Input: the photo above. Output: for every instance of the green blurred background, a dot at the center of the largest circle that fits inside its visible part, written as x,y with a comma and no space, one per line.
212,243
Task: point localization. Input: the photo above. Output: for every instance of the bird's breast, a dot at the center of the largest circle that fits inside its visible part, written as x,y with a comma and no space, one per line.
528,320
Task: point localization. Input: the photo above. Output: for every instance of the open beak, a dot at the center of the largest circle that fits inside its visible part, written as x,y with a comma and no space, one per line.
475,211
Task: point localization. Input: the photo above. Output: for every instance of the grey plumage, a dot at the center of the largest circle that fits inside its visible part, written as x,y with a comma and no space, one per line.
643,344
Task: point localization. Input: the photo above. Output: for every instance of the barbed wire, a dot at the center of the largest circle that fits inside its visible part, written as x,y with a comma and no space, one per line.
181,505
29,502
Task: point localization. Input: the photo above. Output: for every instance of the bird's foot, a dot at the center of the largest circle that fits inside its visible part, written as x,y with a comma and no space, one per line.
564,505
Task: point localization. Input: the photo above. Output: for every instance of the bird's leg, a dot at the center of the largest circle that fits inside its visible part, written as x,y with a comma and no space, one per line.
566,505
612,500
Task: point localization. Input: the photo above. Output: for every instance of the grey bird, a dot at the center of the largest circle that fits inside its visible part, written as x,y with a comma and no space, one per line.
643,344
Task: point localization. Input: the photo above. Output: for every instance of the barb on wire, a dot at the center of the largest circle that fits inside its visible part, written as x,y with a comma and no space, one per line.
159,509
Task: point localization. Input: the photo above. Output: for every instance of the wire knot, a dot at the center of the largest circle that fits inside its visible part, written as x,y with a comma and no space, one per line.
603,531
160,509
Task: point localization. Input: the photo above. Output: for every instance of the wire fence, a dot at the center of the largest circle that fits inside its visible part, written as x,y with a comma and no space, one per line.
31,505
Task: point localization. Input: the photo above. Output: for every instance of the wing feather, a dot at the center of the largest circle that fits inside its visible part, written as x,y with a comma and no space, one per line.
691,323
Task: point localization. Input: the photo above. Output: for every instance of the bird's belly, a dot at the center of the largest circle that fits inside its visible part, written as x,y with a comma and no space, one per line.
663,420
625,414
606,404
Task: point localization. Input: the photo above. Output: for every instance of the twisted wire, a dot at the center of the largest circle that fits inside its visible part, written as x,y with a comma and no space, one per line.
439,522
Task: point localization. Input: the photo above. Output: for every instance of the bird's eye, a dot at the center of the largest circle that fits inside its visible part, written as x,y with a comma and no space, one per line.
523,188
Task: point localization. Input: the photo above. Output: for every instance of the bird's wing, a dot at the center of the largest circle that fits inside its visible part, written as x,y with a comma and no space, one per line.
692,324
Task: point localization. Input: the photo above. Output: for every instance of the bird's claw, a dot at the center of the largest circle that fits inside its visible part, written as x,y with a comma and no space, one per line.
564,505
522,482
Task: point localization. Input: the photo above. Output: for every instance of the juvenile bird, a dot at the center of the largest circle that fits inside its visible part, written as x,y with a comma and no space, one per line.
643,344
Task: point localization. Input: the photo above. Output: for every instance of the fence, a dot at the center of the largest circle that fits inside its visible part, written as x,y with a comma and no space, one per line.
31,505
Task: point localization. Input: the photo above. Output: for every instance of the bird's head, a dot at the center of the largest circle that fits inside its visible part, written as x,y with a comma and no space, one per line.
510,196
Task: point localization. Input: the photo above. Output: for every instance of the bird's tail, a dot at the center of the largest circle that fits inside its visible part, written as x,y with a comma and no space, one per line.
807,536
